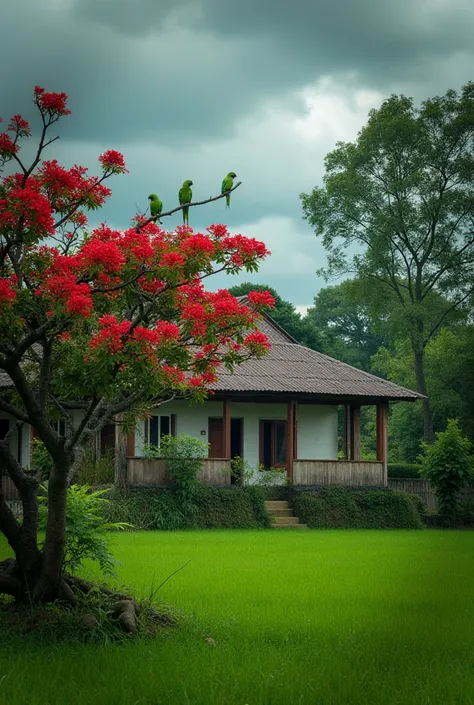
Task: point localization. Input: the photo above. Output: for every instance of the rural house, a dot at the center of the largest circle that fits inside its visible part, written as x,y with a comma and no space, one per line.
280,411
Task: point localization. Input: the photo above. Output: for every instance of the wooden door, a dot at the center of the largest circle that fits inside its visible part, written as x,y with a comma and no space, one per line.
216,437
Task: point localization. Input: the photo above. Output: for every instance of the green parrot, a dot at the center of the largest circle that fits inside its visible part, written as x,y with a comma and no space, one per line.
227,184
185,196
156,206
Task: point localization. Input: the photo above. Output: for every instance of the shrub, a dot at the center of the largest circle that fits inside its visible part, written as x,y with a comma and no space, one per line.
447,465
86,528
96,470
343,507
404,470
246,474
149,509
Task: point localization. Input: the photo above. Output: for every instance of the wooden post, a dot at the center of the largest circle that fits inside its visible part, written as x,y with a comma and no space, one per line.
382,438
346,432
295,433
290,439
355,433
226,429
121,448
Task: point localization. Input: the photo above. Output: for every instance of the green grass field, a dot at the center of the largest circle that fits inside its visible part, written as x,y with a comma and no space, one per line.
311,617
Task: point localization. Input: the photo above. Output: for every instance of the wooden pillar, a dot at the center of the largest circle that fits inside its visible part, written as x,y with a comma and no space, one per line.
382,438
355,432
295,432
346,432
290,439
226,429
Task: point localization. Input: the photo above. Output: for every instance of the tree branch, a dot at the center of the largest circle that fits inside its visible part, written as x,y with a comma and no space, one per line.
186,205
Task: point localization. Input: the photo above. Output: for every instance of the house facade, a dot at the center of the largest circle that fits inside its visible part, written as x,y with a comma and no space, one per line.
280,411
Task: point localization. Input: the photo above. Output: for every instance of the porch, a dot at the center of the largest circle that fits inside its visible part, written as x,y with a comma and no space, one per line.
288,434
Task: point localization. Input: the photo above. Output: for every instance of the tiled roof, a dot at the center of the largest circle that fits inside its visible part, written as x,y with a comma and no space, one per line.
290,367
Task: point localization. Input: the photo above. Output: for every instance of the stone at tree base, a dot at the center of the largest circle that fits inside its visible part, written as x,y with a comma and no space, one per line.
126,613
88,621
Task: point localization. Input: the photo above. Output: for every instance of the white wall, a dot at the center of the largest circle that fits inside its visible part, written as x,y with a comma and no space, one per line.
317,432
190,419
317,426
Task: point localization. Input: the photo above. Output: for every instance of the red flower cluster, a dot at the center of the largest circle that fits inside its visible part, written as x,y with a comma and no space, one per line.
19,126
7,147
52,103
112,334
258,340
113,161
260,298
7,294
29,205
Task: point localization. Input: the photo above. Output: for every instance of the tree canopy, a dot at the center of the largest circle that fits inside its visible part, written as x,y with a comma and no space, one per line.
397,209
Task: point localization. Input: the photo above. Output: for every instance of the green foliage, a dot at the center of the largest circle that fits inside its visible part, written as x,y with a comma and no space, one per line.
86,528
395,209
447,465
163,510
184,455
342,315
96,470
344,508
401,470
245,474
41,461
236,508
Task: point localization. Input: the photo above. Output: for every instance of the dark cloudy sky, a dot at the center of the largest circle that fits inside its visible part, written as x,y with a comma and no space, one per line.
197,88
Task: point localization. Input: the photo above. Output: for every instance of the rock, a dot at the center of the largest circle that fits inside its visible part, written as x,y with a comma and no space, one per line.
126,613
88,621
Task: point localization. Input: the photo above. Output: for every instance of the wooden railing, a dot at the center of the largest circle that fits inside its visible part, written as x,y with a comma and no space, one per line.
154,472
338,472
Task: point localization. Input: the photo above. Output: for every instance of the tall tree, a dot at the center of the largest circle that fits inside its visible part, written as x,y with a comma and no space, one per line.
99,325
343,316
397,209
286,315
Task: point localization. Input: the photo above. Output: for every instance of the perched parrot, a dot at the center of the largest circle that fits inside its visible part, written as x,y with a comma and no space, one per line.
156,206
227,184
185,196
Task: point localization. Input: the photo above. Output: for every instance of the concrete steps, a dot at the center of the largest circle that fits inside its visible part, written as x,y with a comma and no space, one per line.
282,515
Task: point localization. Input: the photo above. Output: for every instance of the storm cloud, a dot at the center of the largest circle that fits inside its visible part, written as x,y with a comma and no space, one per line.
193,89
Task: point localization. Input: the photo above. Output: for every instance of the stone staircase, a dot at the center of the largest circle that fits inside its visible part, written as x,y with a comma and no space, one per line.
282,516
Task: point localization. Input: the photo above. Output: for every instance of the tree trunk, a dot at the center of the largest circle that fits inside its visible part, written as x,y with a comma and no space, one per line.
121,460
48,585
428,432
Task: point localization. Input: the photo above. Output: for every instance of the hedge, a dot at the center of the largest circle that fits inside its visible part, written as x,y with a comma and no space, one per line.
209,508
342,507
402,470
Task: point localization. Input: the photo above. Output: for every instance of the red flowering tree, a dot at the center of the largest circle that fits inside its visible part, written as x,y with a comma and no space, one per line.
97,325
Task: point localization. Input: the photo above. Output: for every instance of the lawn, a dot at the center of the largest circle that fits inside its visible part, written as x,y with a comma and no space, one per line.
311,617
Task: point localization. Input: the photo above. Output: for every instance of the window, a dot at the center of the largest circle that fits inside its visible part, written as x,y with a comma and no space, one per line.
59,427
157,427
272,444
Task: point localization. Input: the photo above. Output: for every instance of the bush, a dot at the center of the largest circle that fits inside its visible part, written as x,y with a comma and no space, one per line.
236,508
447,466
86,528
404,470
148,509
343,507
